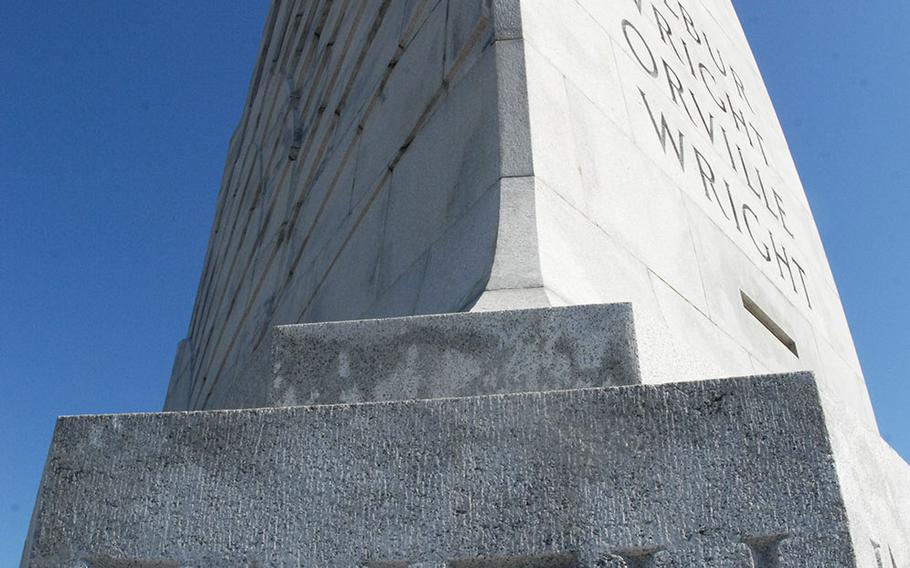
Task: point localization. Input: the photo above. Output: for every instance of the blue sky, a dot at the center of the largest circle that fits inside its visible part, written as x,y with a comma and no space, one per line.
114,123
838,75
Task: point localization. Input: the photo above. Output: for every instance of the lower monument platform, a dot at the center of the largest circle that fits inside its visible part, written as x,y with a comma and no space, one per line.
732,472
528,442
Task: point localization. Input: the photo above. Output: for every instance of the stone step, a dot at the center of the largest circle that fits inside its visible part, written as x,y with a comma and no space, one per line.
734,472
449,355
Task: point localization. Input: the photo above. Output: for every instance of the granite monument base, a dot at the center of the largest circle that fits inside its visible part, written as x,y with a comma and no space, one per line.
713,473
503,456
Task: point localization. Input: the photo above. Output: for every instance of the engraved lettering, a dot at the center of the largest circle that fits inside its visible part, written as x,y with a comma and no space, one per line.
741,146
721,66
761,144
782,260
740,88
676,89
666,32
802,279
746,172
703,70
663,133
877,549
707,180
739,119
690,23
650,70
729,151
689,58
733,207
780,211
763,248
764,193
708,124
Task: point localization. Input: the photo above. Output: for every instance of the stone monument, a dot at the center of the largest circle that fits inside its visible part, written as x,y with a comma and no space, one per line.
478,276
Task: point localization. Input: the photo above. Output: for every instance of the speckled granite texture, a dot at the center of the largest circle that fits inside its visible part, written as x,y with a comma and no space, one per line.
450,355
715,473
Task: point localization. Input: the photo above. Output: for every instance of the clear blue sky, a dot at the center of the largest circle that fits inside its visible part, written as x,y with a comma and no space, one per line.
114,122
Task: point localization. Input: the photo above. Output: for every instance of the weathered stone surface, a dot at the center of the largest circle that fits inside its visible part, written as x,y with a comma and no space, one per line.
714,473
482,352
443,356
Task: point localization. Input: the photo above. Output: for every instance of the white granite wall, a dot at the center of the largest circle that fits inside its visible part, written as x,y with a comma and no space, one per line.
362,181
402,157
662,177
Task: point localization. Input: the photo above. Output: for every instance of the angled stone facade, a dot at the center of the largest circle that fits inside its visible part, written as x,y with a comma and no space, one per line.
364,177
405,157
661,177
597,201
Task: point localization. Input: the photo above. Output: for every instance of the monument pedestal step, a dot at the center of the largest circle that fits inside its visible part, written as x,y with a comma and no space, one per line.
448,355
711,473
436,356
528,440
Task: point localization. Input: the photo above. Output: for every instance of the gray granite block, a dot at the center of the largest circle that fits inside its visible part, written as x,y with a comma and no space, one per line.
445,355
734,472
